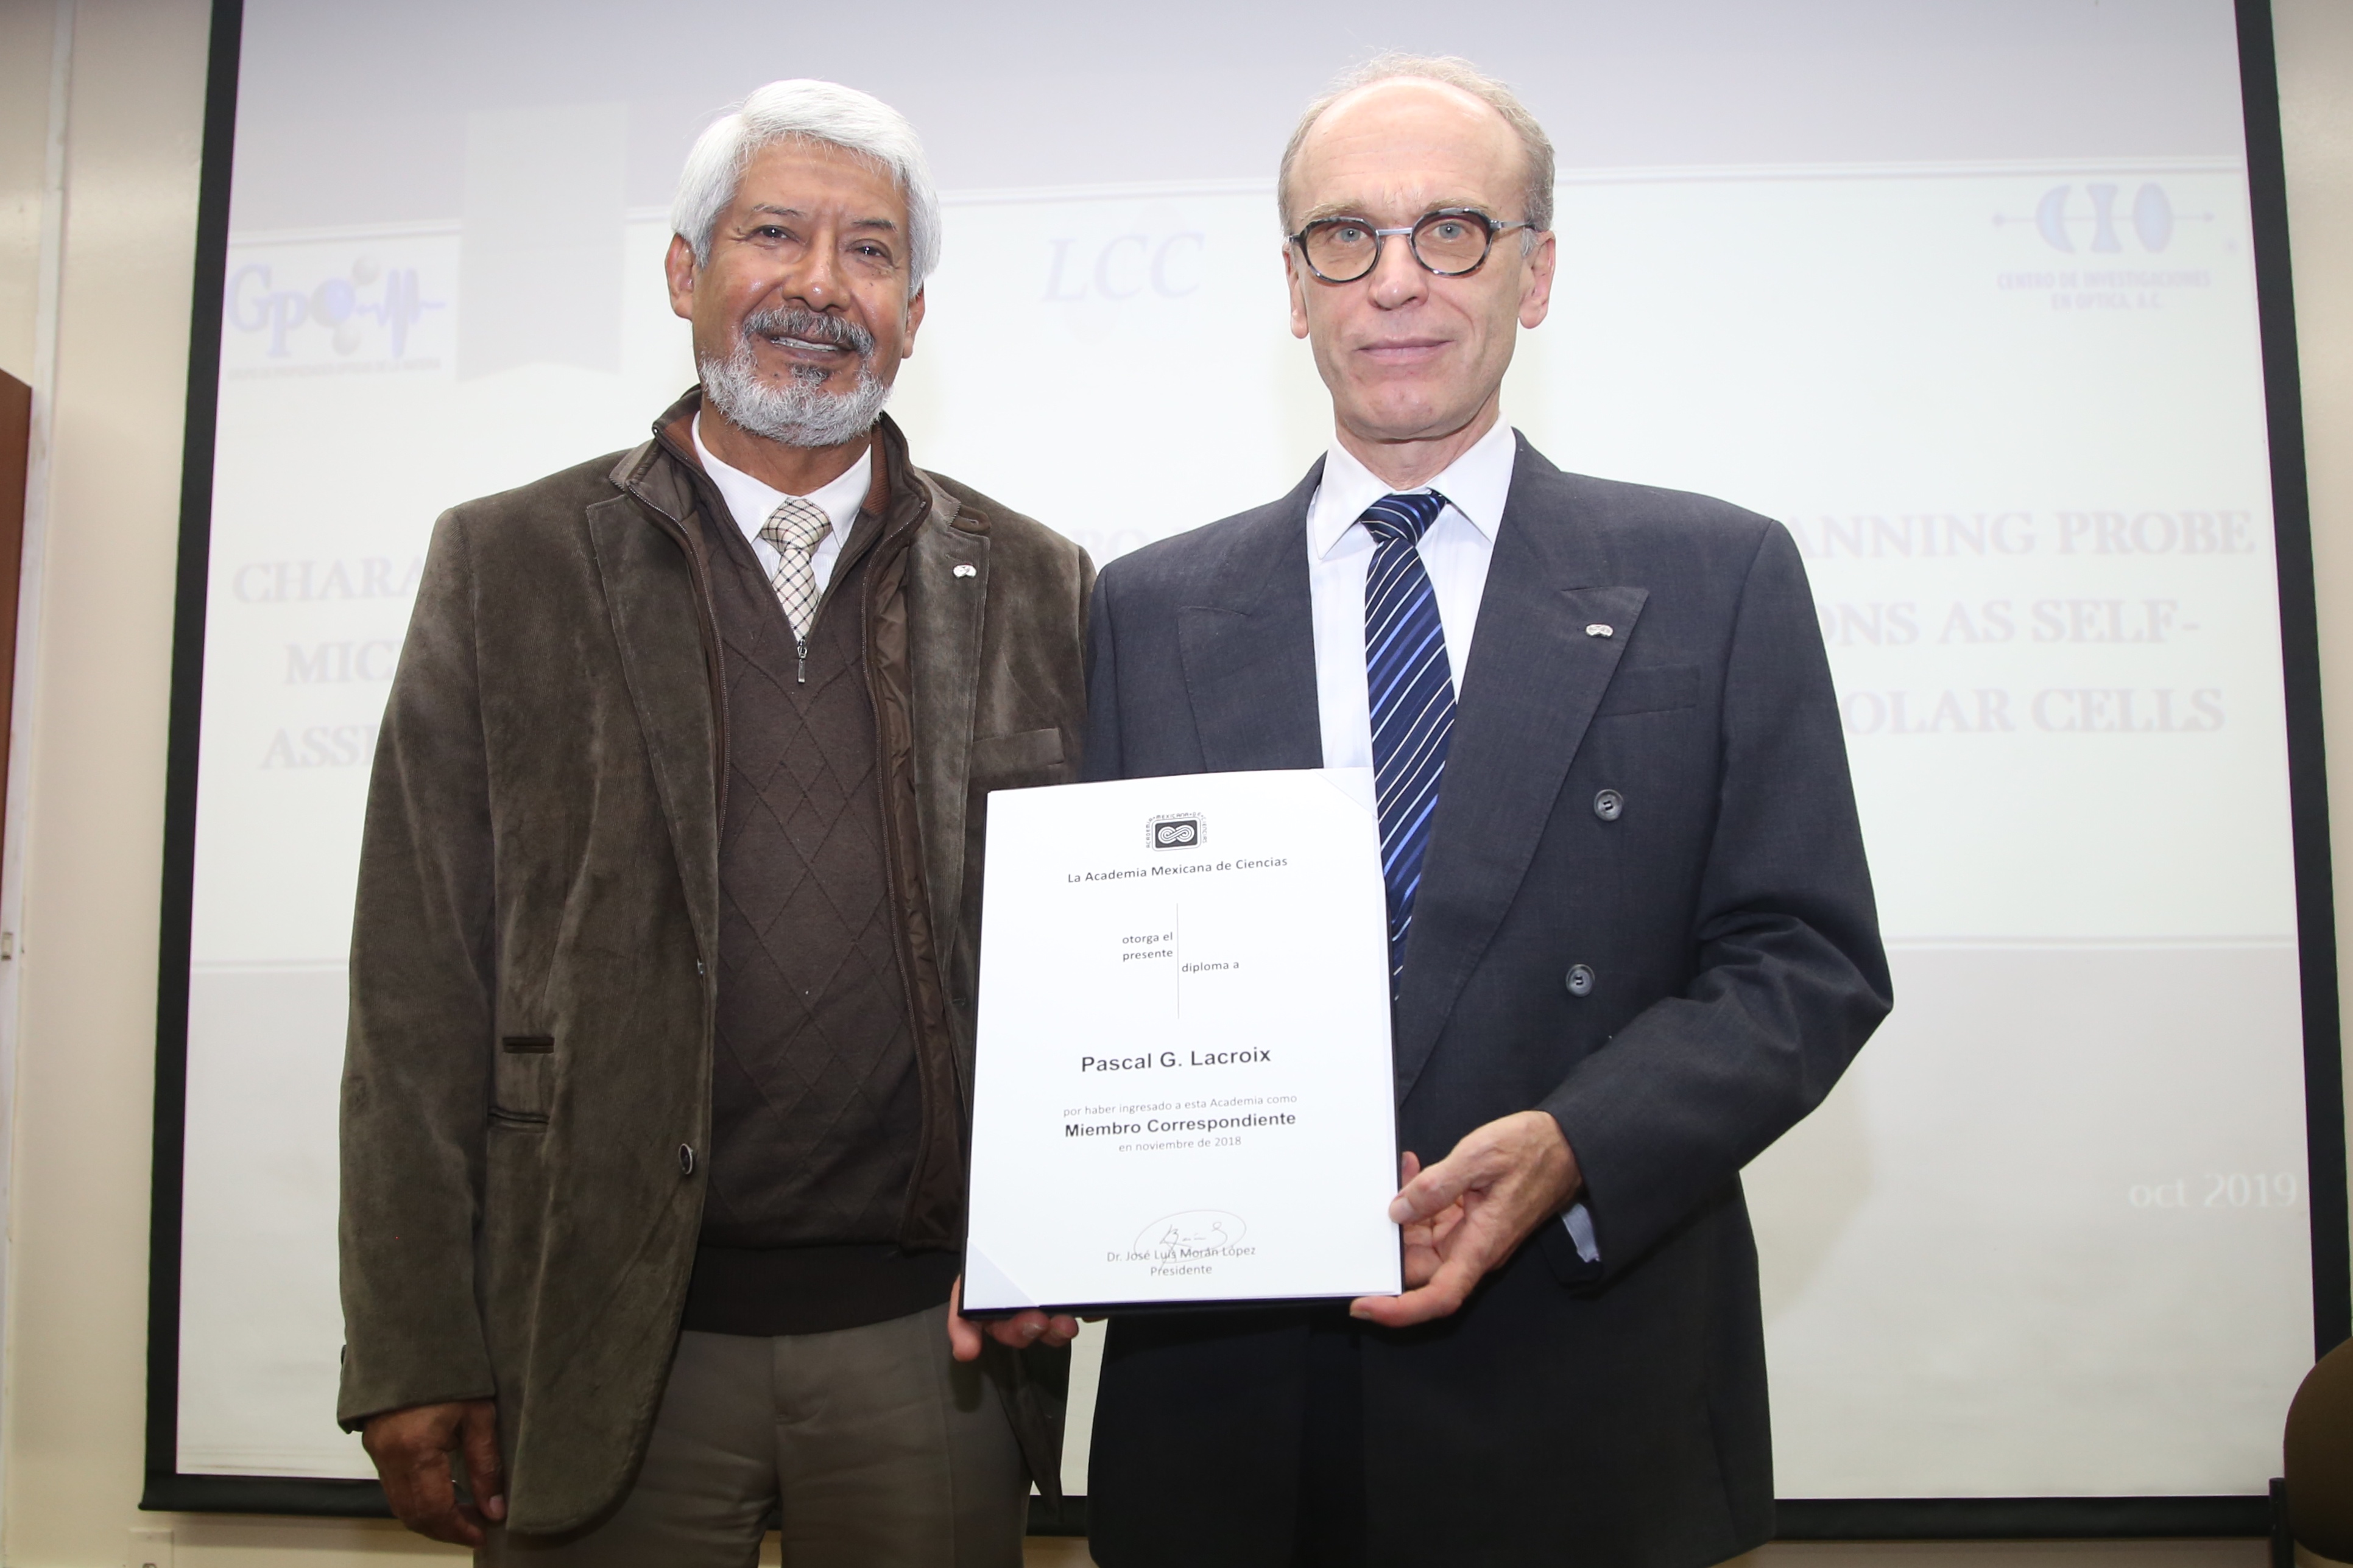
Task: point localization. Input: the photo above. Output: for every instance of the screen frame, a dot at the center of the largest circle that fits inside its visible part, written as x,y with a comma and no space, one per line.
168,1490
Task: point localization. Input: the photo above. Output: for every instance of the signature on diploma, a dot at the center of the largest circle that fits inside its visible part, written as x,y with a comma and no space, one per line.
1194,1242
1192,1233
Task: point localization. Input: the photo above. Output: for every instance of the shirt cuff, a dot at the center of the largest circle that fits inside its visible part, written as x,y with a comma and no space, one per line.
1579,1221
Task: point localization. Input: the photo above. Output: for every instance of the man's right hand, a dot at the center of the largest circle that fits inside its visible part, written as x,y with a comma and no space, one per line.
1017,1332
411,1448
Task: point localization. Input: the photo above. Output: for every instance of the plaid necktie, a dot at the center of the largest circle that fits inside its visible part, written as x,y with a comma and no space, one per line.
1412,692
796,527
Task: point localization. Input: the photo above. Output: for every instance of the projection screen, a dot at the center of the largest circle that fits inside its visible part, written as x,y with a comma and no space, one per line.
1963,292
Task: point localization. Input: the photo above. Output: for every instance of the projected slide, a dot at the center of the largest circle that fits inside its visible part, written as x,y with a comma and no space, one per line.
2049,1237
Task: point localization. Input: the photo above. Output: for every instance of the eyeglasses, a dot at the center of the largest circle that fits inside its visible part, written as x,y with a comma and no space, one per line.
1452,242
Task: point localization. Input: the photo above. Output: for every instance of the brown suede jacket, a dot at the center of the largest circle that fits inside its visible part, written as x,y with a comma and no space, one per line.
527,1081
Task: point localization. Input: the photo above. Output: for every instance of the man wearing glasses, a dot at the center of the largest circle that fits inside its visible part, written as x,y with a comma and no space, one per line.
1632,931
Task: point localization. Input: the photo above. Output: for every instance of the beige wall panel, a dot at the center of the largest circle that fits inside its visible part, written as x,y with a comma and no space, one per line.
78,1316
26,26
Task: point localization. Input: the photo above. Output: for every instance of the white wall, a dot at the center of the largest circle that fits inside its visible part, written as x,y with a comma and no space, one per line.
25,27
90,753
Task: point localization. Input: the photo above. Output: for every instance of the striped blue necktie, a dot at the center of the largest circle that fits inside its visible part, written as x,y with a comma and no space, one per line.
1412,692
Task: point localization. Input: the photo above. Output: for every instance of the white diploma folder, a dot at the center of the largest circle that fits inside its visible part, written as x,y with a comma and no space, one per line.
1184,1092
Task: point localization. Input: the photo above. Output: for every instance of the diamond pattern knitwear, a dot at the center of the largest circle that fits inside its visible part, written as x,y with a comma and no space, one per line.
816,1104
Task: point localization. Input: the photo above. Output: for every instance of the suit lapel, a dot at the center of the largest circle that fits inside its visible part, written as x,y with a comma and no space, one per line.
1249,649
651,601
1535,677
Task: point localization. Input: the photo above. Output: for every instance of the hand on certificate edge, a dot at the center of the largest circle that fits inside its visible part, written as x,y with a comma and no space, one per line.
1464,1216
1019,1331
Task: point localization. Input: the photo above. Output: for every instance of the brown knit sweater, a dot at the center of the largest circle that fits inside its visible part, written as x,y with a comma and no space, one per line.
815,1101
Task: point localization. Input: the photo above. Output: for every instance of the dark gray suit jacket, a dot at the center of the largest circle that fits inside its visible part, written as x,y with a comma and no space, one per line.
1570,1414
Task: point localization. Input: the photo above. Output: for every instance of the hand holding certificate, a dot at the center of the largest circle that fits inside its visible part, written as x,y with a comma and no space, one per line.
1184,1091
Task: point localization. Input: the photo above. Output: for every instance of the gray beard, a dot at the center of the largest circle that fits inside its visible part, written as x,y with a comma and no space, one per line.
801,413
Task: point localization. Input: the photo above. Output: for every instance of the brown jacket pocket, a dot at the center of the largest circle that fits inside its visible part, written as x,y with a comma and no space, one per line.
1025,757
522,1088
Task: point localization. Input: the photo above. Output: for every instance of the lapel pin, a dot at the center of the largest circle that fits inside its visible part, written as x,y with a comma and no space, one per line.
1598,630
966,569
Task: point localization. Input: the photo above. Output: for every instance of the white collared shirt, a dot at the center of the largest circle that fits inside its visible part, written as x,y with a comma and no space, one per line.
1455,552
751,502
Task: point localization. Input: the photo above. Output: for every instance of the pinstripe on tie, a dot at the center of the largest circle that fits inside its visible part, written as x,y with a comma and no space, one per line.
1412,692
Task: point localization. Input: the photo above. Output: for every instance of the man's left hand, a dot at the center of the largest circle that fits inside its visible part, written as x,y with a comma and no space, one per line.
1466,1215
1020,1331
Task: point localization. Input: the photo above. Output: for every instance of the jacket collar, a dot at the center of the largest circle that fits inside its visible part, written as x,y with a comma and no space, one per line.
1476,485
660,470
1249,647
664,473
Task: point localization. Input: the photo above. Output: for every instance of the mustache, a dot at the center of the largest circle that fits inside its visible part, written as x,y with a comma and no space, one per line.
809,326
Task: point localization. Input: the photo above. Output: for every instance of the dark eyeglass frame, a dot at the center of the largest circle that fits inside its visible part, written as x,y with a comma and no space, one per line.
1493,226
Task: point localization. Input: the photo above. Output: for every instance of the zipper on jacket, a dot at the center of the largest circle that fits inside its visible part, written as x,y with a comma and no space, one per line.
800,647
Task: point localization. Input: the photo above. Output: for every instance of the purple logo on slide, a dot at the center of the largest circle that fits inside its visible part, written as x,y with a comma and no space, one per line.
2098,219
349,307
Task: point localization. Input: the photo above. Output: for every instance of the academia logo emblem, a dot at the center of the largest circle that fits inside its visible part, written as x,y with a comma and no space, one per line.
1176,832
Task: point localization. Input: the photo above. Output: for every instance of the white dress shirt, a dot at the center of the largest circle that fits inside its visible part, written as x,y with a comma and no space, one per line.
751,502
1455,552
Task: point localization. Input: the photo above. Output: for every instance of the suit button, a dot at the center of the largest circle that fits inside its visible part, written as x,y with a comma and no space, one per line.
686,1158
1608,805
1580,979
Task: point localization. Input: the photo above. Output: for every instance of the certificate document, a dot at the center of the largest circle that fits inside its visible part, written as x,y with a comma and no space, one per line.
1184,1091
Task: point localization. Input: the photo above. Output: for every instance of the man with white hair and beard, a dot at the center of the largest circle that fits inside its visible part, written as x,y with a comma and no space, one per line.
655,1091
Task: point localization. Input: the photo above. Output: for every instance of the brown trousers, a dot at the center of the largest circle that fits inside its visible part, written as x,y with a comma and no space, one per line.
877,1449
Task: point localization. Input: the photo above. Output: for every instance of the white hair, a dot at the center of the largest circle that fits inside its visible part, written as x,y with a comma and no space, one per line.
806,109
